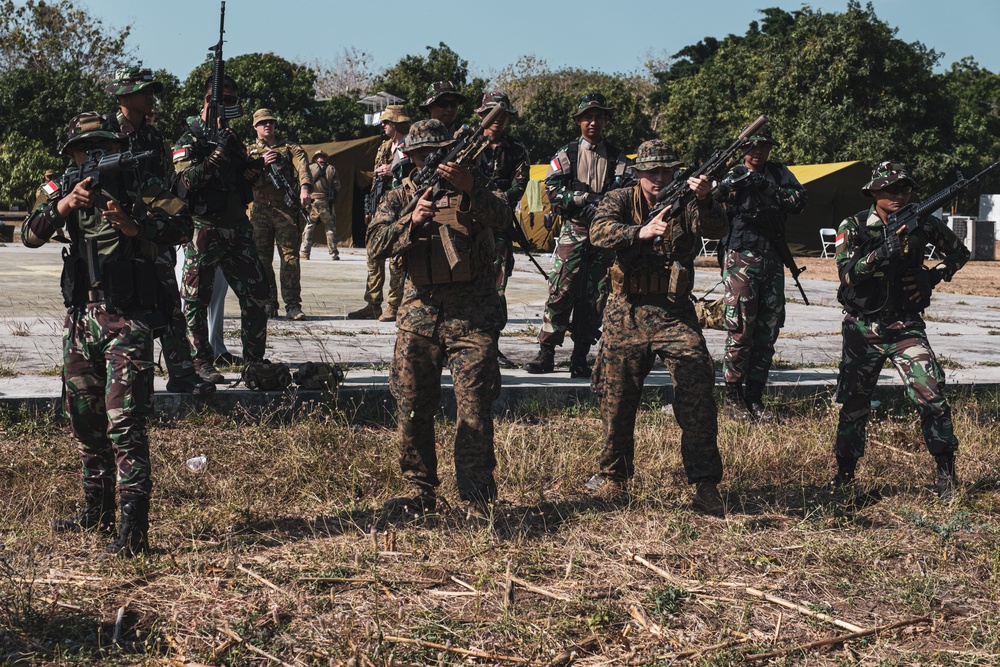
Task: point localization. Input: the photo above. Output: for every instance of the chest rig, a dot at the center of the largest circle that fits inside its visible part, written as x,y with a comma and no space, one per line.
451,248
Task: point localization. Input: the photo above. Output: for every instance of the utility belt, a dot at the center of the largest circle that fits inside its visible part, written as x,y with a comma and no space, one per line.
449,253
275,201
673,280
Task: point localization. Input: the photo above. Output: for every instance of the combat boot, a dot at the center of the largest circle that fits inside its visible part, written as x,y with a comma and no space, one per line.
708,500
504,362
846,465
370,312
419,502
133,535
191,383
578,366
389,314
734,405
753,399
98,514
947,481
545,362
210,374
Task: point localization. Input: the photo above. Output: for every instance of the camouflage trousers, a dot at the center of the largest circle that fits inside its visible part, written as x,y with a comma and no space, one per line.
636,331
565,278
376,281
867,344
503,267
174,341
415,382
275,225
755,312
108,387
231,249
320,213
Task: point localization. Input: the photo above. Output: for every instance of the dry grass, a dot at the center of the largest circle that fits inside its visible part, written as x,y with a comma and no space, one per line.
273,544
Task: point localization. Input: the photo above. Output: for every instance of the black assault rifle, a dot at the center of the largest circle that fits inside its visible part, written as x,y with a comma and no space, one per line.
278,180
219,114
100,166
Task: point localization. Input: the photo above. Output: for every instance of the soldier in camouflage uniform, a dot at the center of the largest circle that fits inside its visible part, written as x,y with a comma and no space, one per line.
395,125
326,188
650,314
443,103
580,174
274,222
759,195
110,289
449,314
135,90
215,181
505,164
884,288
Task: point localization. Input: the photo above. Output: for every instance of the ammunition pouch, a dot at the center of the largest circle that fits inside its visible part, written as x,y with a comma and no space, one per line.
319,376
674,280
921,276
711,314
130,285
450,253
266,376
73,280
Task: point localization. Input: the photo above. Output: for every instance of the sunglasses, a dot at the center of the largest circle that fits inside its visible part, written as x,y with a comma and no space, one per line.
898,189
446,103
227,100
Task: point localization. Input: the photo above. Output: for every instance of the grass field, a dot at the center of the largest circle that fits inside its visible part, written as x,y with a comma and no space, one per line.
269,556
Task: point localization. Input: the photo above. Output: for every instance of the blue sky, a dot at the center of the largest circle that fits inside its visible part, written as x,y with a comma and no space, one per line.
611,37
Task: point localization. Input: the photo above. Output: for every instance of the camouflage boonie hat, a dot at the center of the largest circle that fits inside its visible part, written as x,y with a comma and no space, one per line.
440,89
494,99
592,101
260,115
394,113
886,173
654,154
89,125
132,80
428,134
762,136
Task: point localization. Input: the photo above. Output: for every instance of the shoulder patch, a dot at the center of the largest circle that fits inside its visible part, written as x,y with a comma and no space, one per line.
181,153
50,188
554,165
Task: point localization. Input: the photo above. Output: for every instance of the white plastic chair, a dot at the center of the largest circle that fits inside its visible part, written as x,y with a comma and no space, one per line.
709,247
828,239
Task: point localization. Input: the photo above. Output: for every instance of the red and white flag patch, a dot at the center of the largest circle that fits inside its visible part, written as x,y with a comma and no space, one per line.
180,154
840,237
50,188
554,165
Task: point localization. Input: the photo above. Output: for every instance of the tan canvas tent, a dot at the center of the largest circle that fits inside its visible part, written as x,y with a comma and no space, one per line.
354,161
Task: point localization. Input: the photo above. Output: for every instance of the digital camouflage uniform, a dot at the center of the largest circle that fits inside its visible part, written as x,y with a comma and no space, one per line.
274,223
326,188
107,343
386,154
642,321
444,320
894,331
753,274
217,197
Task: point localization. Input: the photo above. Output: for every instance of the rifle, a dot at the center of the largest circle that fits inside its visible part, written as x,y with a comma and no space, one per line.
522,240
278,180
219,114
379,186
773,230
99,164
583,325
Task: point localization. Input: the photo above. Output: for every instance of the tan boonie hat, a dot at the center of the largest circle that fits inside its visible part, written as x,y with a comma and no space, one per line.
132,80
440,89
654,154
260,115
394,113
89,125
886,173
428,134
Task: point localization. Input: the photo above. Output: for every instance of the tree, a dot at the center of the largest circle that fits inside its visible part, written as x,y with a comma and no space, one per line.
348,74
23,162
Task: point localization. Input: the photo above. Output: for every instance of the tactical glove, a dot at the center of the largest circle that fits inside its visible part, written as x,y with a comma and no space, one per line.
891,248
734,180
587,214
759,181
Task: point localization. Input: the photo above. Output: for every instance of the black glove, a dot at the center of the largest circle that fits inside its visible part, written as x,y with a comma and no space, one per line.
734,180
759,181
943,271
228,143
891,248
587,214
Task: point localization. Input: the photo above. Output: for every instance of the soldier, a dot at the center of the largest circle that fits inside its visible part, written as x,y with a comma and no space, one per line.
884,288
110,289
215,181
274,222
395,125
135,89
505,164
449,314
580,174
442,103
326,188
650,314
759,195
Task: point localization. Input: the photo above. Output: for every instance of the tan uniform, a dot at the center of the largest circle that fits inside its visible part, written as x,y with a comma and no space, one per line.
326,187
387,154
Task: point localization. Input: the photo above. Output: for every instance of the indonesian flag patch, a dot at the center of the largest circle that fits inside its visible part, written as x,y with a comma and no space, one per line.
554,165
840,238
180,154
50,188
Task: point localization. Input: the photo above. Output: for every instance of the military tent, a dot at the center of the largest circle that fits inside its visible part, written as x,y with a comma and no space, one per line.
354,161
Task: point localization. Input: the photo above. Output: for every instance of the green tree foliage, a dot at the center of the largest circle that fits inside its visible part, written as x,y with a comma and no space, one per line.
23,162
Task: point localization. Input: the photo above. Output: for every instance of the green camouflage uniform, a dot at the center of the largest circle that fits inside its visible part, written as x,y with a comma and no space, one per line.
108,347
222,238
274,223
326,187
753,274
376,269
894,332
442,323
641,322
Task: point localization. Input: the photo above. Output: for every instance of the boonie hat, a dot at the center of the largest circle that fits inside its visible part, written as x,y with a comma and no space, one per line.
394,113
886,173
428,134
89,125
763,135
495,99
439,89
260,115
592,101
654,154
132,80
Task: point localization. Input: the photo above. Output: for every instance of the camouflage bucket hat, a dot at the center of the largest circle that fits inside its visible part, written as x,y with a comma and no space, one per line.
495,99
654,154
428,134
132,80
762,136
886,173
395,113
260,115
592,101
439,89
89,125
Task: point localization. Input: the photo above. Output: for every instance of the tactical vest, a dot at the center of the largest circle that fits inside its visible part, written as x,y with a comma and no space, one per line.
450,248
323,176
882,294
226,188
751,224
614,176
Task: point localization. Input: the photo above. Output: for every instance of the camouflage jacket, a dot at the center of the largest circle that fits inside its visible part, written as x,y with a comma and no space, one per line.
148,138
215,198
747,206
853,237
386,153
294,165
574,199
326,185
454,309
507,169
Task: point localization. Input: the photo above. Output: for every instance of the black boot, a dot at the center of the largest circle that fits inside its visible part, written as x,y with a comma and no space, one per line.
846,465
754,400
734,406
133,536
98,514
578,366
947,481
545,362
